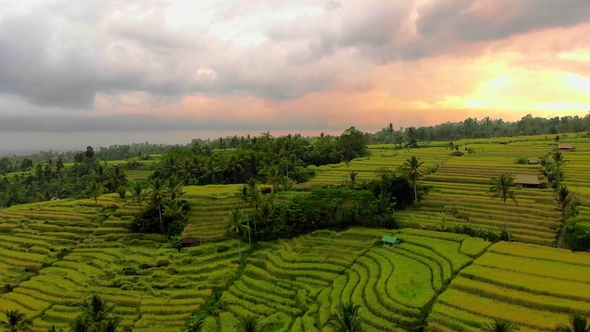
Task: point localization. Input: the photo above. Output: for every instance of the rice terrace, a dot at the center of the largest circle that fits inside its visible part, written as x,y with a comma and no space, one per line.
336,233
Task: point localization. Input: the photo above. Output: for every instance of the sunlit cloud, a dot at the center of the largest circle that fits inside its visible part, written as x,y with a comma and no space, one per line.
290,65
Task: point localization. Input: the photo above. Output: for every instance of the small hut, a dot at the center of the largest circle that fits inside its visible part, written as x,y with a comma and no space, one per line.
565,147
533,162
527,181
189,242
390,241
457,153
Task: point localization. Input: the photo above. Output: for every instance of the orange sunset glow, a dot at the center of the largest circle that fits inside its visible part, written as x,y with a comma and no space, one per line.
291,65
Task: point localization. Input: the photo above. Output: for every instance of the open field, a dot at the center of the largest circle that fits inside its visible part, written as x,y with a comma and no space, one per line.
56,253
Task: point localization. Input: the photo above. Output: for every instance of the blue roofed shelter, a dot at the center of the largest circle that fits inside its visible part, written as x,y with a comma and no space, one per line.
390,241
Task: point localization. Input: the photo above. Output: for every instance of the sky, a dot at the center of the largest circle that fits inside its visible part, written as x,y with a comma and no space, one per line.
76,73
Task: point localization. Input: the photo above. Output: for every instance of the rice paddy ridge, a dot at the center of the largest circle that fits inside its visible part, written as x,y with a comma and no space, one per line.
521,283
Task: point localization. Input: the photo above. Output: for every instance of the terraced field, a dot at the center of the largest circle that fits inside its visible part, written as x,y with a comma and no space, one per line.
534,287
54,254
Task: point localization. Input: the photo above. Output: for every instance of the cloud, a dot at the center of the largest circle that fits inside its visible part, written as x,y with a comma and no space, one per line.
284,64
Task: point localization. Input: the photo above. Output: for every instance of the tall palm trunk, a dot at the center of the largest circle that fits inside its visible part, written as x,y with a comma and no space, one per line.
507,228
562,232
235,177
249,233
415,192
239,246
161,223
255,213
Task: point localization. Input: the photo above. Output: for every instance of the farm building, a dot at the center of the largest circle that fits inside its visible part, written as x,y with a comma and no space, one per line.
527,181
190,242
457,153
390,241
565,147
533,161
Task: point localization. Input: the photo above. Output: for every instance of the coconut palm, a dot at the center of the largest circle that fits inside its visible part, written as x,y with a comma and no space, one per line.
242,194
250,324
173,209
255,198
97,310
138,193
156,195
501,187
79,325
170,166
16,321
189,169
234,166
111,325
236,225
500,326
577,324
563,197
346,319
211,169
412,172
118,177
174,187
100,173
559,161
95,189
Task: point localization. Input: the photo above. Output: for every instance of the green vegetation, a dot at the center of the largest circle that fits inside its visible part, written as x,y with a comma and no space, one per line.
287,245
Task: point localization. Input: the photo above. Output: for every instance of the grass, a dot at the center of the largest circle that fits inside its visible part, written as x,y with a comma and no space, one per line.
56,253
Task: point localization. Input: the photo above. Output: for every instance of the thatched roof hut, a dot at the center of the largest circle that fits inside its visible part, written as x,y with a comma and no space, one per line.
565,147
457,153
527,181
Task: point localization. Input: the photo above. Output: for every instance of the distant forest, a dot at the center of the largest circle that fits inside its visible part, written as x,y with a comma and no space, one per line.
469,128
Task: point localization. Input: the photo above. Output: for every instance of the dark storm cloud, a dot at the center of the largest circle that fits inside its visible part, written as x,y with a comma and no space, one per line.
124,123
474,21
64,53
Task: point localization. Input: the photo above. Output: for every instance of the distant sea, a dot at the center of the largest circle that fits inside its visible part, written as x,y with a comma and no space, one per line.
22,143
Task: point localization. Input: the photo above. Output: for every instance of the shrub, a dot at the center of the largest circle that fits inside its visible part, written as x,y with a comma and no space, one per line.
522,160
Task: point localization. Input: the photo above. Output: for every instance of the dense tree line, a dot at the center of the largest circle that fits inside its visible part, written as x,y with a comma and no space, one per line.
275,161
113,152
366,204
54,181
484,128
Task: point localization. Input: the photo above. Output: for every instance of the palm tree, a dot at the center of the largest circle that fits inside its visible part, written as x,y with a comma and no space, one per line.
138,193
16,321
156,194
79,325
95,190
250,324
236,225
174,187
211,169
111,325
118,177
347,319
563,197
255,198
501,186
169,166
189,169
242,194
577,324
173,209
234,166
559,161
97,309
412,171
501,326
100,173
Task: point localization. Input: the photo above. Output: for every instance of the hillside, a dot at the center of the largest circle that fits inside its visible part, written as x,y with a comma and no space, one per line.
55,253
